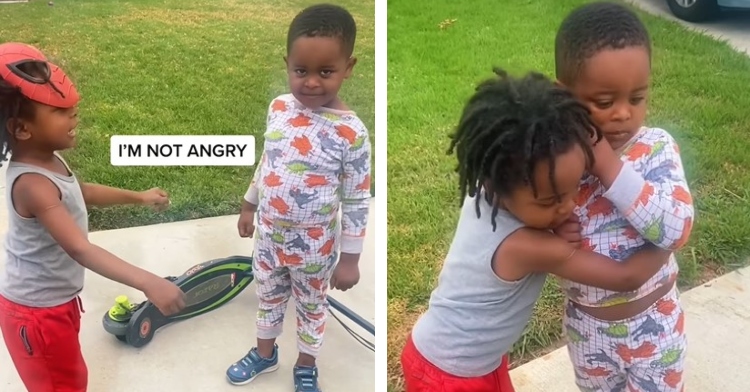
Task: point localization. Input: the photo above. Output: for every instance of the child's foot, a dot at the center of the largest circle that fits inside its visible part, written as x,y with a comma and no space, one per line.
251,366
306,379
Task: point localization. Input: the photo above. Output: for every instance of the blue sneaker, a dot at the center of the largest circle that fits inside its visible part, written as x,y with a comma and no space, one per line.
251,366
306,379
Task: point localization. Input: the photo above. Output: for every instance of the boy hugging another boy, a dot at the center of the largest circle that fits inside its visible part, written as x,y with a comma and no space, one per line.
636,339
315,161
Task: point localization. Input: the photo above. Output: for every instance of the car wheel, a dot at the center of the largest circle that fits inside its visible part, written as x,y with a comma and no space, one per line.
694,10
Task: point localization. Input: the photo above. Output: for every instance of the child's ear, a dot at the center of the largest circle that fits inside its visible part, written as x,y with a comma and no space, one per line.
17,129
350,66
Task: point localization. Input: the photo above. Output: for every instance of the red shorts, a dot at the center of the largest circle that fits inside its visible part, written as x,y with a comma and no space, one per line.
422,376
44,346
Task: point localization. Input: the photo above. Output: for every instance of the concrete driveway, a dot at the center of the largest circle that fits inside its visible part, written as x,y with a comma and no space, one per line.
733,26
193,355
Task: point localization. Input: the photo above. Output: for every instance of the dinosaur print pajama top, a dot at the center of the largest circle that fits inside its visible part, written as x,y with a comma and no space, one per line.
314,165
649,201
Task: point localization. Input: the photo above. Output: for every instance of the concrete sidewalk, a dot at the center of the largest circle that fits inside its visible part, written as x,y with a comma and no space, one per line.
717,322
193,355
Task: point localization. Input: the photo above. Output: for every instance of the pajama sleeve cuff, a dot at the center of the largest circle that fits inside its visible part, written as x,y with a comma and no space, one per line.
251,196
626,188
353,245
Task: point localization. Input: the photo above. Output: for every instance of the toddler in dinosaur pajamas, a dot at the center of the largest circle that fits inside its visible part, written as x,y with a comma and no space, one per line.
316,160
632,340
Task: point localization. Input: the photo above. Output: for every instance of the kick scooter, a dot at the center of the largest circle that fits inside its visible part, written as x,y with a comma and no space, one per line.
207,287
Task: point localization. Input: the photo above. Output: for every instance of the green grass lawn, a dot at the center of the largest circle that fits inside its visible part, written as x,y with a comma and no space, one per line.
173,67
433,66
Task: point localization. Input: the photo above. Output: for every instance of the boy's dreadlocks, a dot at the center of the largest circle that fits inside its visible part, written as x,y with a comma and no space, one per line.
13,105
510,125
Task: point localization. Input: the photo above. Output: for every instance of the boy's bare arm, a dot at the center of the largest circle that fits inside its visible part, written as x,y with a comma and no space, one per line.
656,201
103,196
355,198
39,197
541,251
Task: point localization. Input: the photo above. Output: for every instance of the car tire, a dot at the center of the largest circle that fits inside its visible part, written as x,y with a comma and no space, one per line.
700,11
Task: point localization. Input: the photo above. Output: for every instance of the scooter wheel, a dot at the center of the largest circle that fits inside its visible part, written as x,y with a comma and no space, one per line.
117,328
121,338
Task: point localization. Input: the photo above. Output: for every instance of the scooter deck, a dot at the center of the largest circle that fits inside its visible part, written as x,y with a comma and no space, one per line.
207,287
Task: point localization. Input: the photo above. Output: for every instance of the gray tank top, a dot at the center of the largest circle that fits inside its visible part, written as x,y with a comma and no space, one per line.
38,272
474,317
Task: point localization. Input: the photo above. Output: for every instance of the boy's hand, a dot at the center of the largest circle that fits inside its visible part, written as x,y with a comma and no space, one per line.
346,273
570,231
165,295
607,164
246,224
155,198
603,154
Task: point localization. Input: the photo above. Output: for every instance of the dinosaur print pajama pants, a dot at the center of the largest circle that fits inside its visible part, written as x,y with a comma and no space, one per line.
645,353
294,262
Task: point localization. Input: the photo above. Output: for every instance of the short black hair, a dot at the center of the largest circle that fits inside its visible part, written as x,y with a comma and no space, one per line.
510,125
324,20
591,28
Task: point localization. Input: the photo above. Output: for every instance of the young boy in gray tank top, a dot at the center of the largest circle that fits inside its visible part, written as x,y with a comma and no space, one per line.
522,146
47,246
